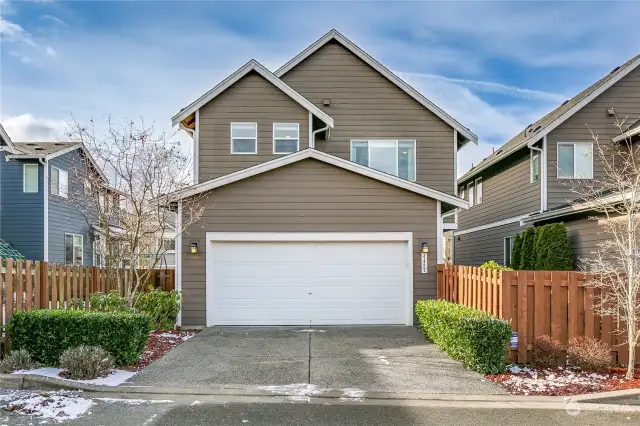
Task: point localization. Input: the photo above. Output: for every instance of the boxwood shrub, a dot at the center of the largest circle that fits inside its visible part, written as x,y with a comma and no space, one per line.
46,334
473,337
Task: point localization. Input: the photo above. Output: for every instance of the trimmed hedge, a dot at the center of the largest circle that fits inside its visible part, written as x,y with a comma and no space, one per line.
46,334
515,252
473,337
527,259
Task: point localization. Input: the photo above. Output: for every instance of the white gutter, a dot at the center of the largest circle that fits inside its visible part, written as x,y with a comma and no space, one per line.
45,164
315,132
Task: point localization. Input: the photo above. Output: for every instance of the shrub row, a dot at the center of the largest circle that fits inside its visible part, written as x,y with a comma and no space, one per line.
544,248
475,338
46,334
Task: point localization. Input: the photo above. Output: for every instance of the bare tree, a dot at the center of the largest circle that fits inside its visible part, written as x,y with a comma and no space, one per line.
142,168
615,264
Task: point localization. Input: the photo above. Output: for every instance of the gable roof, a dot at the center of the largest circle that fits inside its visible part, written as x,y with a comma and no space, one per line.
335,35
252,65
326,158
6,140
546,124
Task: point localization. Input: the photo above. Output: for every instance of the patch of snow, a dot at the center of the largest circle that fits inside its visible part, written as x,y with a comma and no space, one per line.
169,336
58,405
247,421
134,401
309,330
352,394
117,377
529,381
196,402
515,369
299,392
384,360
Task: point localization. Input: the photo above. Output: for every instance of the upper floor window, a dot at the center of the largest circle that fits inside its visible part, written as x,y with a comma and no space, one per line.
479,190
535,166
59,182
73,249
470,193
461,192
575,160
30,178
396,157
244,138
286,138
508,246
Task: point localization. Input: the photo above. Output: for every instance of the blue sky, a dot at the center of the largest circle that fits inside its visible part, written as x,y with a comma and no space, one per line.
495,67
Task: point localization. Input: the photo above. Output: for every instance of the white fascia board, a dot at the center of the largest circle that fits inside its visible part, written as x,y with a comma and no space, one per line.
324,157
494,224
449,226
558,121
86,152
252,65
335,35
5,136
628,134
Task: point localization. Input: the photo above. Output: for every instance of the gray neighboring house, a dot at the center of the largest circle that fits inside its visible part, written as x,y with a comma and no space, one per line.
323,187
527,181
36,216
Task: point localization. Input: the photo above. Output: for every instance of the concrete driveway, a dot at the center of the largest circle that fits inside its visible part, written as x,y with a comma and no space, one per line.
377,359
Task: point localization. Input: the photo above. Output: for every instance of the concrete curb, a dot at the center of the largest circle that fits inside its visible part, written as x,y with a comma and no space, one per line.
37,382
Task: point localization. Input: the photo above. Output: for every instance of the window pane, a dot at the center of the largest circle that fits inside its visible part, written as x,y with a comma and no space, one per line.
383,156
507,251
535,168
286,145
68,249
406,160
360,152
30,178
54,181
565,161
470,192
244,145
285,131
583,161
244,130
479,191
64,183
77,240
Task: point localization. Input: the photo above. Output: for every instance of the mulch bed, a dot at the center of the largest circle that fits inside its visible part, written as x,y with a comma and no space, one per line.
160,342
563,381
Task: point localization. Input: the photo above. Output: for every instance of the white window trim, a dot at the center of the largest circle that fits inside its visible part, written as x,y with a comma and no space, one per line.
273,137
231,138
476,192
58,188
73,245
574,160
415,153
504,254
472,198
24,178
533,153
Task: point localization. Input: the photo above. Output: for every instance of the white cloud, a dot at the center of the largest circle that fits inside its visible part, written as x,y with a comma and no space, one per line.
50,51
14,32
54,19
27,128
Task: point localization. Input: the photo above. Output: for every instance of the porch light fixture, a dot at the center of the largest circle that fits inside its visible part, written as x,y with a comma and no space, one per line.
194,248
425,247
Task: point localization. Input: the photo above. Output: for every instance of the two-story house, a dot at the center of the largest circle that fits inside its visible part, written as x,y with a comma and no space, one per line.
38,218
529,180
324,184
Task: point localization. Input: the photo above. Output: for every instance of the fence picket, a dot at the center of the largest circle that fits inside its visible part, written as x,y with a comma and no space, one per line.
8,289
28,286
574,303
523,316
19,286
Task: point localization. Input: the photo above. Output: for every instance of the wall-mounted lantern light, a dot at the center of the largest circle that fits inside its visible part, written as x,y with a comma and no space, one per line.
194,248
425,247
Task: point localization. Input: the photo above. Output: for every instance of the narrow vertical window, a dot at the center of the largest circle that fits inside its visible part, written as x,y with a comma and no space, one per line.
73,245
470,193
479,190
508,245
535,166
30,178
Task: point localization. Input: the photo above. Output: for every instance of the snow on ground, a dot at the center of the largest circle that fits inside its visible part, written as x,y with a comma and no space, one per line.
298,392
352,394
134,401
310,330
529,381
185,335
117,377
57,405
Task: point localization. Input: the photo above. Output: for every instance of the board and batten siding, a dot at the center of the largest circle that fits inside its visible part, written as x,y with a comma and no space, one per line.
507,192
64,218
624,97
475,248
22,213
366,105
251,99
308,196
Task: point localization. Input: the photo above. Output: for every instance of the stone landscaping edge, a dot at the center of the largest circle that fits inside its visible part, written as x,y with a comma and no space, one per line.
36,382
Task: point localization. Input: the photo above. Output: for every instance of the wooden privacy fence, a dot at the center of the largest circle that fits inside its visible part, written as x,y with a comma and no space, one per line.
555,303
30,285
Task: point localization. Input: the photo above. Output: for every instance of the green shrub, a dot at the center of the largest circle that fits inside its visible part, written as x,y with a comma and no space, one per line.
46,334
86,363
492,264
541,248
473,337
526,253
161,306
17,360
515,252
560,256
110,302
547,352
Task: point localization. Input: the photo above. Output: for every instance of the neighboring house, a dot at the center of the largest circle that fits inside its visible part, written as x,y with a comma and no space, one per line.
323,183
37,218
528,181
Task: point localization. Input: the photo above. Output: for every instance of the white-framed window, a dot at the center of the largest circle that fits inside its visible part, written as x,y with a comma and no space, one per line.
98,253
244,138
286,138
462,192
478,190
73,244
470,193
396,157
508,246
575,160
30,178
535,166
59,182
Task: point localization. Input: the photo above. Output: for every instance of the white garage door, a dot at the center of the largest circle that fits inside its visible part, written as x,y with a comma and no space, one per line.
302,283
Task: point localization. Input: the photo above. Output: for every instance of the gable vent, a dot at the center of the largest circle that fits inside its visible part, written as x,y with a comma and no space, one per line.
31,144
565,102
615,69
38,148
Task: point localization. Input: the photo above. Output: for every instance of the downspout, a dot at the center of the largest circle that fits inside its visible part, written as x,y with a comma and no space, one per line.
315,132
45,164
193,137
542,175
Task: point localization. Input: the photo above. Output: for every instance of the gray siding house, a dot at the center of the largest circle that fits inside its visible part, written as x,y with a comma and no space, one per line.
324,184
528,180
37,217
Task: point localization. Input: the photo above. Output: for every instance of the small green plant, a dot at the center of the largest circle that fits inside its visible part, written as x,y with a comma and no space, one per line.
515,252
85,363
588,353
17,360
526,252
110,302
161,306
492,264
547,352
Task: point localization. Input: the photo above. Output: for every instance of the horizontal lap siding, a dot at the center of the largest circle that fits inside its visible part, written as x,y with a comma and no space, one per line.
508,192
478,247
624,97
366,105
308,196
251,99
584,235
